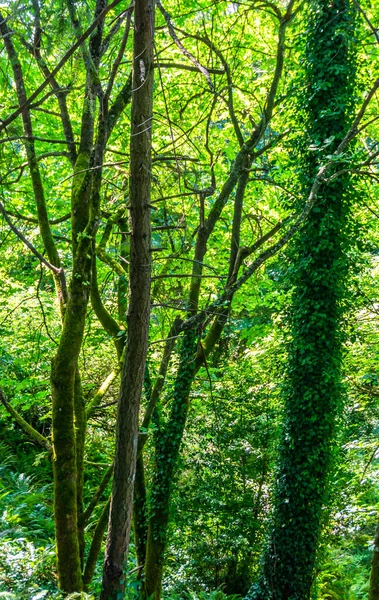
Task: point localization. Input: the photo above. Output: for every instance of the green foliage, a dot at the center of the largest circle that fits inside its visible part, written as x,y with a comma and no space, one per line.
318,274
215,595
27,556
344,575
214,440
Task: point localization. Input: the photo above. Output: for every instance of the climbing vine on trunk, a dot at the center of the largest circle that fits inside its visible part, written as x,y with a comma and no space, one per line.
313,392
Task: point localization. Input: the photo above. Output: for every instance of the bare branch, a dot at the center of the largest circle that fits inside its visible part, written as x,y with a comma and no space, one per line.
62,62
179,44
120,54
184,67
371,26
83,519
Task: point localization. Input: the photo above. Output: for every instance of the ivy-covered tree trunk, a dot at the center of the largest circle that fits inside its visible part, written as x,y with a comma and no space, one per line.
168,436
139,303
313,390
193,352
167,444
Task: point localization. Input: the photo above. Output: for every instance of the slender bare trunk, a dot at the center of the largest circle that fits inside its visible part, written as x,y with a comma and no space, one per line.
374,577
139,304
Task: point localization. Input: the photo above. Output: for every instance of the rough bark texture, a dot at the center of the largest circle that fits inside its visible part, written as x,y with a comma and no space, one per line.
140,513
63,373
68,441
374,577
139,304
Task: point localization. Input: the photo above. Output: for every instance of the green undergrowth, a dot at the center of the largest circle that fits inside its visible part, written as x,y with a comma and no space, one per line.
45,594
27,555
27,549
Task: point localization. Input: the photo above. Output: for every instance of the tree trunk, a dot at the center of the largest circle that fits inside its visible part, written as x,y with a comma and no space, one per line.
313,393
374,576
169,437
168,440
63,373
140,514
139,304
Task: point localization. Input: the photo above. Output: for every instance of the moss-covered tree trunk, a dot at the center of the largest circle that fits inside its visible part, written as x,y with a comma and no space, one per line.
313,391
169,436
64,366
139,303
63,373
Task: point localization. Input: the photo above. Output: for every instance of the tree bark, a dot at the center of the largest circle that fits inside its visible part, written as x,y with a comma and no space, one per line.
139,304
374,576
63,373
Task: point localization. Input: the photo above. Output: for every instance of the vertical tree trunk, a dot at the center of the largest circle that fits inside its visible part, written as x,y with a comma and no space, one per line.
313,394
374,576
139,303
63,373
169,436
80,435
140,523
167,442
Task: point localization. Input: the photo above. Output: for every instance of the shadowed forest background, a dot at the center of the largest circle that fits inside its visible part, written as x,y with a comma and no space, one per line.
189,243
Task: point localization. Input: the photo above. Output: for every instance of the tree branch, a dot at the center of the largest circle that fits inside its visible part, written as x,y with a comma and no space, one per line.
62,62
179,44
95,402
32,433
83,519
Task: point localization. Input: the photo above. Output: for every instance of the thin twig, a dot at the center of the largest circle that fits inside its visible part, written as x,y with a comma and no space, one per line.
62,62
179,44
